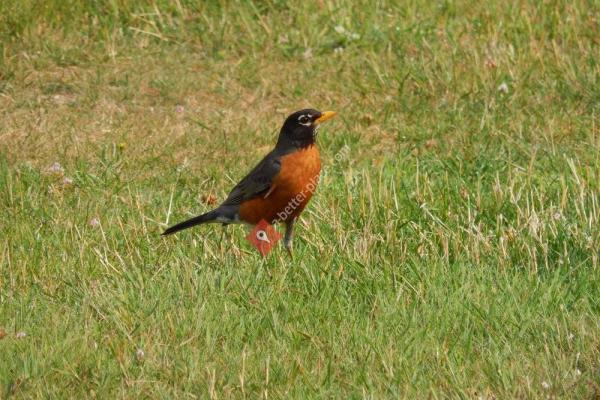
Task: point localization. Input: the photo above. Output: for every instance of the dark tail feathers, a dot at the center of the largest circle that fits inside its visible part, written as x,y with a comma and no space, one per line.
210,216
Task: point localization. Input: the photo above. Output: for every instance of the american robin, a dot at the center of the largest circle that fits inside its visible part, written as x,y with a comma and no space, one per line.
280,186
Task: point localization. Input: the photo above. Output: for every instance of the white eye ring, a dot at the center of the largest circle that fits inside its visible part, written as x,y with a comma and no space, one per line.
304,120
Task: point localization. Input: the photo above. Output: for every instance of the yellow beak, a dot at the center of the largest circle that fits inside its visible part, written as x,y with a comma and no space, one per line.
325,116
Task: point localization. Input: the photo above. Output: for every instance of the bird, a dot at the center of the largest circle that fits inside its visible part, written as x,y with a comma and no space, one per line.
280,186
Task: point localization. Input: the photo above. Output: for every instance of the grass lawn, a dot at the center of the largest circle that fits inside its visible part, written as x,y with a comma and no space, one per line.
451,250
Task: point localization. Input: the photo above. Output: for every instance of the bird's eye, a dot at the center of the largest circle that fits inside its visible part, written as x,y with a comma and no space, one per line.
304,120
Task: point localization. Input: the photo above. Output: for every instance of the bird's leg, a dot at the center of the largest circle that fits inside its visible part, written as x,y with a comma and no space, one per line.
289,235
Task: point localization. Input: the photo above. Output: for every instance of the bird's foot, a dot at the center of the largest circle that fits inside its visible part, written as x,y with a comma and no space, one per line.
288,248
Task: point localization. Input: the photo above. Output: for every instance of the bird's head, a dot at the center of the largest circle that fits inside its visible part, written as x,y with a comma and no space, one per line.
300,128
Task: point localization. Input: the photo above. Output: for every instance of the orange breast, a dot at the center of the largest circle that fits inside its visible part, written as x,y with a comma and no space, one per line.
291,191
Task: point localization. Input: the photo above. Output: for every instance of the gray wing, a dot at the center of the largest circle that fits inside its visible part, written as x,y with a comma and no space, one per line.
257,182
